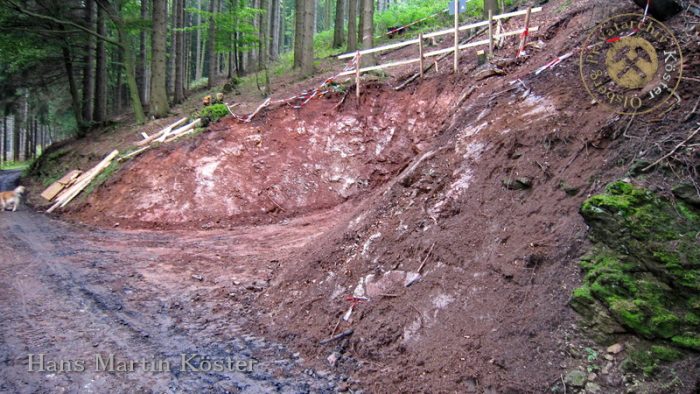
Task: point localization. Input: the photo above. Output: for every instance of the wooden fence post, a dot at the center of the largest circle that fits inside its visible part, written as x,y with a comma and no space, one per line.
490,32
420,53
357,74
456,65
523,38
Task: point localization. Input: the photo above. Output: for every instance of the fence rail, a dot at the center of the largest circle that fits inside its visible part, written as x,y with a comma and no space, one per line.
438,33
357,69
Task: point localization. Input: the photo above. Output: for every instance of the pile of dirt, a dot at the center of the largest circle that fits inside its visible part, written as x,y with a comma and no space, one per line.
284,164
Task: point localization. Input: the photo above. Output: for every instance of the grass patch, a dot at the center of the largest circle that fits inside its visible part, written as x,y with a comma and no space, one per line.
14,165
102,178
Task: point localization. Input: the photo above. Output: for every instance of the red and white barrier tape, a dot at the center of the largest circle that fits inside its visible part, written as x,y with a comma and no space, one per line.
521,48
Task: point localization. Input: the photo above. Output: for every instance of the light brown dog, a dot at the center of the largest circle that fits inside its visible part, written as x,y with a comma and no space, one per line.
13,197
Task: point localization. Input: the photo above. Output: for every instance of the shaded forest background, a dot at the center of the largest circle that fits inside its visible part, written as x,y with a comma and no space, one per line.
68,67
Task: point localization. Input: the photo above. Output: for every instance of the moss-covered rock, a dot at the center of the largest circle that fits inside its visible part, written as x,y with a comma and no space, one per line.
644,271
647,358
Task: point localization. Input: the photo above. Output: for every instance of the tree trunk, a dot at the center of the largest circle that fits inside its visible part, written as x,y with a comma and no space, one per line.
72,88
211,43
367,30
276,21
142,72
307,59
339,30
179,51
298,32
282,32
89,65
118,96
490,5
352,25
263,43
170,48
3,141
198,44
128,57
100,115
159,95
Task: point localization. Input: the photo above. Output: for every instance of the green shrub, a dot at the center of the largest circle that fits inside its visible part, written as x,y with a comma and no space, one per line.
213,113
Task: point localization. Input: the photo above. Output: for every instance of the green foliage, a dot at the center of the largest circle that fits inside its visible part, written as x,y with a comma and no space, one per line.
591,355
645,269
234,27
50,166
213,113
401,14
14,165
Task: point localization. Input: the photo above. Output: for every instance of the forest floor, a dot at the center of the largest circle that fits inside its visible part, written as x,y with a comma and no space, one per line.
267,229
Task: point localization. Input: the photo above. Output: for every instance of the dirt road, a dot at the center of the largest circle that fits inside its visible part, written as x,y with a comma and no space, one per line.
72,293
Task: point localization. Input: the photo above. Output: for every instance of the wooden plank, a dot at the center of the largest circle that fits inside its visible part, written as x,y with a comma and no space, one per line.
358,72
150,139
381,66
523,38
52,191
439,33
479,43
190,128
380,49
83,182
490,32
456,32
168,131
134,153
420,53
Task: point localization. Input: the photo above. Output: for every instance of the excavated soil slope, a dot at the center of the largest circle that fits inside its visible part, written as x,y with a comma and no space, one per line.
284,164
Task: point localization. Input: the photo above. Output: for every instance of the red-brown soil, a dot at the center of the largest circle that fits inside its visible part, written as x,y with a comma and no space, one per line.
417,178
286,163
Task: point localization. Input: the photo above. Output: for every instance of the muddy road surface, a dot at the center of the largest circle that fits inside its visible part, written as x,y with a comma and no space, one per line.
79,295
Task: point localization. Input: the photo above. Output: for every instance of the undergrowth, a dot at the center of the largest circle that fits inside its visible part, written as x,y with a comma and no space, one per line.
102,178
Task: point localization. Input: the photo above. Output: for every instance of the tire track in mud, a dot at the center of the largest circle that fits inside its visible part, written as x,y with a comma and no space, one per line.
71,294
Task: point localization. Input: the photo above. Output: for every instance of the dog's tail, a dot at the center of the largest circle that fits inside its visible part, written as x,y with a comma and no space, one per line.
19,190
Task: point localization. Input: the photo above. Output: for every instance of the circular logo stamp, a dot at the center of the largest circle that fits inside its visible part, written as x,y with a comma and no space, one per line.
631,64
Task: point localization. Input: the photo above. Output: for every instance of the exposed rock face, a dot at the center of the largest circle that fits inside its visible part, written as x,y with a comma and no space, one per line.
644,271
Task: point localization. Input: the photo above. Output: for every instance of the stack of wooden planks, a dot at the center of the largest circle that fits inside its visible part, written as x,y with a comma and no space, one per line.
82,182
57,187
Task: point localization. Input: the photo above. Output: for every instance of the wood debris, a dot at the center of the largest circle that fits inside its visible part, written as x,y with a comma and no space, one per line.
82,182
57,187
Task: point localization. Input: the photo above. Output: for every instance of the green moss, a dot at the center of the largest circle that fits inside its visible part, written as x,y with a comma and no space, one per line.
665,353
690,342
644,270
583,295
647,359
641,360
213,113
687,212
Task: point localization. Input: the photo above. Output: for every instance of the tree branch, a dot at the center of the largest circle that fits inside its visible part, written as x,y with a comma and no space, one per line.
22,10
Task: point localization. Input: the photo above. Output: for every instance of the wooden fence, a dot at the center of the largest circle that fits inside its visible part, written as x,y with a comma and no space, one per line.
422,55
